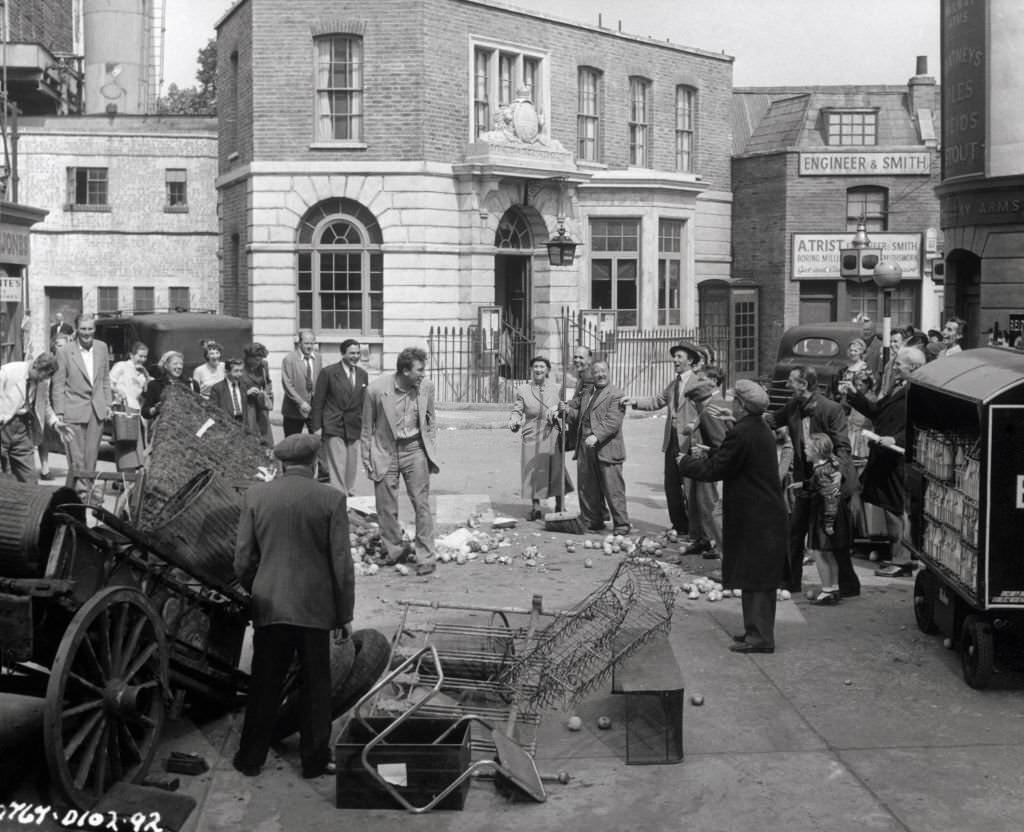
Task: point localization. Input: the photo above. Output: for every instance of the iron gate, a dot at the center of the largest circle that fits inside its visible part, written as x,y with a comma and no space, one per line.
638,359
475,365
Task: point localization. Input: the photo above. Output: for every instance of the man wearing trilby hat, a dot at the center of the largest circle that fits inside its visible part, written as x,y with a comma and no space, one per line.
292,553
687,360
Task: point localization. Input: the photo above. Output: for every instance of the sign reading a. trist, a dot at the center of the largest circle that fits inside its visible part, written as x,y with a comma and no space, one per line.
816,256
866,163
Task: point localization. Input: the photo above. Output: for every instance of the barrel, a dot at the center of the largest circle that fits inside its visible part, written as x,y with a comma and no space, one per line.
196,529
27,526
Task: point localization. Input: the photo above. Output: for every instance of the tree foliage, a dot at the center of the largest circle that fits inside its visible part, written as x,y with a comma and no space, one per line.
199,100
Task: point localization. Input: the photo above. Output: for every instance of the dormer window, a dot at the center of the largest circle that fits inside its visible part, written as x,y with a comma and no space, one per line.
851,127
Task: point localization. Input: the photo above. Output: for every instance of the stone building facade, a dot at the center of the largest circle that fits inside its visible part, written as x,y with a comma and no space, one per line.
132,214
389,166
982,190
810,165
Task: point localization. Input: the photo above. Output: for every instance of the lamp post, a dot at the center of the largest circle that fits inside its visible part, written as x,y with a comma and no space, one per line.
887,277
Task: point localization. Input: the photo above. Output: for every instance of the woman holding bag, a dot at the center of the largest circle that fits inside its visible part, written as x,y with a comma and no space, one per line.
128,382
258,392
534,416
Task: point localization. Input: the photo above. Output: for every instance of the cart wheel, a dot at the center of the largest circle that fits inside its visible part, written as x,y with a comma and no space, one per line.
105,699
977,652
924,602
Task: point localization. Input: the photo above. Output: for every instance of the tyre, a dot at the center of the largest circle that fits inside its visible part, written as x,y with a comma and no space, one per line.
356,664
977,652
924,602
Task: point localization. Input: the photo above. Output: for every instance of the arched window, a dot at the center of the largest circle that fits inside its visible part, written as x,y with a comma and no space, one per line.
513,231
340,270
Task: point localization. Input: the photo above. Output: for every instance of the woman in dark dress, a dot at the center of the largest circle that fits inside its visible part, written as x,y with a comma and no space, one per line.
258,392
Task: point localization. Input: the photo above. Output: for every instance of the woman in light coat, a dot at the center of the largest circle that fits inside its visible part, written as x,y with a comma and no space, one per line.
534,417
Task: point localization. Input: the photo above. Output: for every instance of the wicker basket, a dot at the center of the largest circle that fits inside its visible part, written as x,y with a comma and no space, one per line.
197,529
192,436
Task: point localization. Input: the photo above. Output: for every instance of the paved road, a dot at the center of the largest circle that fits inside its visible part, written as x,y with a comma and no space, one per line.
857,722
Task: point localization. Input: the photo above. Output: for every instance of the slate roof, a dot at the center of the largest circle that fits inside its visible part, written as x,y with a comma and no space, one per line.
773,119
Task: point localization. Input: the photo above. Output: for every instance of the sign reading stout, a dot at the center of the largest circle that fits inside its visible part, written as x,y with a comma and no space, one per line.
963,88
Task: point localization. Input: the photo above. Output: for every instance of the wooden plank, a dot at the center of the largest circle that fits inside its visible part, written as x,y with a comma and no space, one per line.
650,669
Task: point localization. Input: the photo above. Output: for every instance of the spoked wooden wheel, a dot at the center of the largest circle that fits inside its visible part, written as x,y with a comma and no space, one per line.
105,699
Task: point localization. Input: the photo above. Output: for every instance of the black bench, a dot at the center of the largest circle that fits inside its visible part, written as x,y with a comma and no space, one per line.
652,682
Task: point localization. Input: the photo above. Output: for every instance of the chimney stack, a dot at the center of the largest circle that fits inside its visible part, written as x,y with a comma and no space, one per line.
922,88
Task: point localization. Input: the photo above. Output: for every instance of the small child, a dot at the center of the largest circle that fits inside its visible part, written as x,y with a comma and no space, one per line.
829,526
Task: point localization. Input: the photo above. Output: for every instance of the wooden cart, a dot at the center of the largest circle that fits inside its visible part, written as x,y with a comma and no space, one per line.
965,484
112,628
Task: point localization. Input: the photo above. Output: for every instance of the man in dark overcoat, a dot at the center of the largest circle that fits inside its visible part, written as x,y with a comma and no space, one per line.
882,482
755,541
600,452
807,412
292,553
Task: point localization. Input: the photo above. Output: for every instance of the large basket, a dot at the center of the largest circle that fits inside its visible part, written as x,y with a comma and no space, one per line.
192,436
197,527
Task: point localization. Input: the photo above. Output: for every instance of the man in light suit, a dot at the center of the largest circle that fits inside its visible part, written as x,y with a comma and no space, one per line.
600,452
229,393
682,412
300,370
81,395
338,413
399,437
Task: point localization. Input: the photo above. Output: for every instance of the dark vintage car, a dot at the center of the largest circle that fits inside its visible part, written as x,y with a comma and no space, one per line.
821,346
181,331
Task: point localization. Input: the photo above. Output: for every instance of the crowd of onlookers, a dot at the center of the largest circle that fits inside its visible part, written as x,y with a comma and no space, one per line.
836,454
67,397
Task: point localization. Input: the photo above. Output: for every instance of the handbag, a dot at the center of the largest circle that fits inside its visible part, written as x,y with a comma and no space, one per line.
126,428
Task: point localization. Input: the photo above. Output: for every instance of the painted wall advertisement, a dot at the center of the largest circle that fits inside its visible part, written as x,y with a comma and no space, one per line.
1003,564
963,88
816,256
10,289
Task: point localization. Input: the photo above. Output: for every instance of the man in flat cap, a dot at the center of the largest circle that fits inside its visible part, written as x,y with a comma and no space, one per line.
687,360
292,553
754,535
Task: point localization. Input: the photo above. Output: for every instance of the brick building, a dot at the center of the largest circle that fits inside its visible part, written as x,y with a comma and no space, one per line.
132,214
982,191
810,165
387,166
